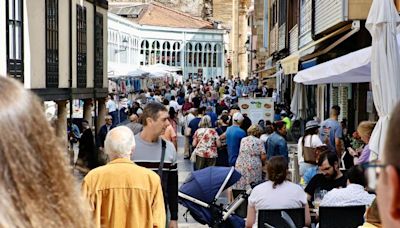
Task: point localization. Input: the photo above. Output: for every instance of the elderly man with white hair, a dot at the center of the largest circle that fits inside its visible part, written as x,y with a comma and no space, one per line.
121,193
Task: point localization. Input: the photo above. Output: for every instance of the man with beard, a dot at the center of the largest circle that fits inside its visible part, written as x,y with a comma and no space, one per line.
330,177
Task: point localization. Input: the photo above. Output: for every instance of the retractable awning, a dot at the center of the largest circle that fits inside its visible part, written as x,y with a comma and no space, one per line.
354,67
351,68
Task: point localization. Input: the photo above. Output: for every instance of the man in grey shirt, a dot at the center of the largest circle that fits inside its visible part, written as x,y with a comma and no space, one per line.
149,152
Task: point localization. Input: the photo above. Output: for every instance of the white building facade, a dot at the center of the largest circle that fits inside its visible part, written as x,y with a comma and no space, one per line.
199,53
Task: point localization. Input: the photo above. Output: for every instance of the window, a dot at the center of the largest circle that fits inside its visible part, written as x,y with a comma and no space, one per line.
145,53
99,60
282,12
112,46
123,48
293,13
81,45
189,54
52,44
15,48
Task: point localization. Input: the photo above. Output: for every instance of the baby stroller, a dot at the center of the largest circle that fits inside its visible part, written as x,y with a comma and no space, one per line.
200,192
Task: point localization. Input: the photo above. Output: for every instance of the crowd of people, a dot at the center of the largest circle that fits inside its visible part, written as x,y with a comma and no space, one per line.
138,187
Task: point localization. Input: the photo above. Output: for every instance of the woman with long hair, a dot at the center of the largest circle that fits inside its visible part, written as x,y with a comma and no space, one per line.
37,188
276,193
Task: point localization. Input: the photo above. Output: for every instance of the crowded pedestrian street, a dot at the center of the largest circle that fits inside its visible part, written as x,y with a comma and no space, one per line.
200,113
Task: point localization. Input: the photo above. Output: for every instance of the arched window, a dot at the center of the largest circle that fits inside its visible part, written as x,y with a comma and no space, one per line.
176,56
189,54
197,55
155,53
207,55
144,51
217,62
166,53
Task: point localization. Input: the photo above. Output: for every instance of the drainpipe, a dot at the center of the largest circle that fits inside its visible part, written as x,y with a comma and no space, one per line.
94,68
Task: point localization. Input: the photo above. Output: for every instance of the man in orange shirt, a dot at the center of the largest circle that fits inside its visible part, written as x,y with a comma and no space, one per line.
121,193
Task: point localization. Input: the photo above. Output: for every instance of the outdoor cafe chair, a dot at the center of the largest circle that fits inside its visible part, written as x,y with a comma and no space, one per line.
281,218
343,217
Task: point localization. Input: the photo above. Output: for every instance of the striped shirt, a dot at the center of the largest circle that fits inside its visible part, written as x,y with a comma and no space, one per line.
148,155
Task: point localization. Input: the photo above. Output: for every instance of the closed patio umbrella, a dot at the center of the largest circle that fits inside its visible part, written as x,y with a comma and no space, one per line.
385,67
299,104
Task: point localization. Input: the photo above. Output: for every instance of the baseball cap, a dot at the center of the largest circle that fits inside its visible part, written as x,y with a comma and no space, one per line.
238,117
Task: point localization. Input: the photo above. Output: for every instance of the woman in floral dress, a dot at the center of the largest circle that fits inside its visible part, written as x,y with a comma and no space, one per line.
249,163
205,141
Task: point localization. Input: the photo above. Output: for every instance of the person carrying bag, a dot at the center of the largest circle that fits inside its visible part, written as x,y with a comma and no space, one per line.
309,147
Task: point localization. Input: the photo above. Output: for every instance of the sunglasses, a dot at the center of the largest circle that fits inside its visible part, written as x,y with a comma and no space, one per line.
372,171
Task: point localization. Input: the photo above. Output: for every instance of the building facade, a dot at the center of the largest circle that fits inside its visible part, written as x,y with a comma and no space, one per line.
150,34
299,34
57,49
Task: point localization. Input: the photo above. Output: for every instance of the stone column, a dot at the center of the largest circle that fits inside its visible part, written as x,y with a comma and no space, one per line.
101,107
87,110
235,38
61,122
243,60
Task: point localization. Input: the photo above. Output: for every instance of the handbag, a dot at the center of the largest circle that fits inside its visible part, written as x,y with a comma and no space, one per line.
310,154
193,156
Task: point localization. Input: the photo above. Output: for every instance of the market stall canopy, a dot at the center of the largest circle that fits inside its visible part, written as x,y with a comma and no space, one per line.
137,73
354,67
162,67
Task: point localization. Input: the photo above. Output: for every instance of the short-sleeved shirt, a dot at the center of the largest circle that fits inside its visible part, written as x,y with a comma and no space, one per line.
234,135
151,152
312,141
169,134
320,182
206,142
285,195
111,106
193,125
330,129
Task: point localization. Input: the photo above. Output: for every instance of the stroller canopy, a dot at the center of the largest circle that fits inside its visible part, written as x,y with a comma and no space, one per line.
205,183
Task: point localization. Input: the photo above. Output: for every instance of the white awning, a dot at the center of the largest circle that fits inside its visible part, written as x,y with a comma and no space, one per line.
354,67
351,68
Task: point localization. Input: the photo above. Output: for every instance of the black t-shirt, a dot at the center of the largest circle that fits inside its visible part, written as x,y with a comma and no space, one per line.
319,182
196,102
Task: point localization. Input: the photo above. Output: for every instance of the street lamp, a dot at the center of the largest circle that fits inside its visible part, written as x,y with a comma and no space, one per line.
124,46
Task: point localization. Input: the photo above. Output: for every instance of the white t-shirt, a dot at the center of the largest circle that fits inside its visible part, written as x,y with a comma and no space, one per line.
315,142
285,195
175,105
111,106
264,137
